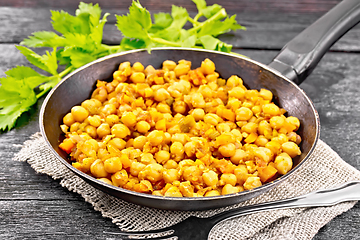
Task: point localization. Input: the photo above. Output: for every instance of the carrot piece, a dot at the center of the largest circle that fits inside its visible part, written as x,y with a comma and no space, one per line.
266,173
67,145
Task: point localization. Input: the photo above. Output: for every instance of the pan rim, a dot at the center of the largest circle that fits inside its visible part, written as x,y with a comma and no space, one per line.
179,199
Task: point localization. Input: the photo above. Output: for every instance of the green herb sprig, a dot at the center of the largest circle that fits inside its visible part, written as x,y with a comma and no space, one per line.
77,40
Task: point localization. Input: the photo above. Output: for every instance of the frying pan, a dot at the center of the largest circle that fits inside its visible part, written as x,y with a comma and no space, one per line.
289,68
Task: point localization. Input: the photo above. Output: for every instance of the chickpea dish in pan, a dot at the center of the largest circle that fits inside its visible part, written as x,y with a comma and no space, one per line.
180,132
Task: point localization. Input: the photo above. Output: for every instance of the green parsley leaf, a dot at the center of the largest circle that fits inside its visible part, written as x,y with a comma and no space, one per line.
136,23
12,105
47,62
161,20
131,44
78,57
211,10
15,98
30,76
89,13
209,42
50,83
43,39
215,28
77,40
64,22
200,4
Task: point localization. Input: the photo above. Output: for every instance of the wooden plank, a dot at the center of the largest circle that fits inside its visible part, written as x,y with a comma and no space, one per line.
340,126
231,5
32,204
52,219
264,31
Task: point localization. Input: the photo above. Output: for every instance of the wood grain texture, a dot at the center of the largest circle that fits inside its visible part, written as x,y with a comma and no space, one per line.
264,31
39,201
34,205
304,6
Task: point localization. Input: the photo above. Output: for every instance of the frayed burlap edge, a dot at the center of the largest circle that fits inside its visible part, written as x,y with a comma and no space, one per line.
323,169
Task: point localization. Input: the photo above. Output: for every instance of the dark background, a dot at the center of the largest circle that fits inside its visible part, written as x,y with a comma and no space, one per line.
35,206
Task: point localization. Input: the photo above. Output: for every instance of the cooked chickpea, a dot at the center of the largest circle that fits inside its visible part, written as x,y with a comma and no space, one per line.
112,119
108,109
263,127
237,92
229,189
291,148
103,130
173,192
186,189
142,127
153,172
169,65
207,66
181,69
190,148
211,119
120,130
139,142
92,105
97,169
137,77
79,113
271,109
118,143
129,119
91,130
156,137
277,122
243,114
179,137
223,127
178,131
229,178
192,174
120,178
170,164
261,141
252,182
147,158
112,165
68,119
161,94
283,163
210,178
94,121
293,121
227,150
212,193
234,81
250,127
171,175
136,167
177,148
162,156
138,67
266,94
198,114
238,156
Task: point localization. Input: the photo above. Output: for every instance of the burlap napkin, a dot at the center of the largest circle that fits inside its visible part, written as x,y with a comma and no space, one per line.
324,169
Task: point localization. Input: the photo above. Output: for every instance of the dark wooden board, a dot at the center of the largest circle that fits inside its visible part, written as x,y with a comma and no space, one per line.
33,204
267,30
231,5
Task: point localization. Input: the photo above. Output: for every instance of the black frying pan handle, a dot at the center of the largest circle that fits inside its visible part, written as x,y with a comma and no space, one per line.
300,56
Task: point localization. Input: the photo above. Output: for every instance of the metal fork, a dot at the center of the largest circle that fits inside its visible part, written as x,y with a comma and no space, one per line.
199,228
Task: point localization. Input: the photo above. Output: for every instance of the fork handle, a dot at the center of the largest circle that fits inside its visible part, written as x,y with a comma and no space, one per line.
349,191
